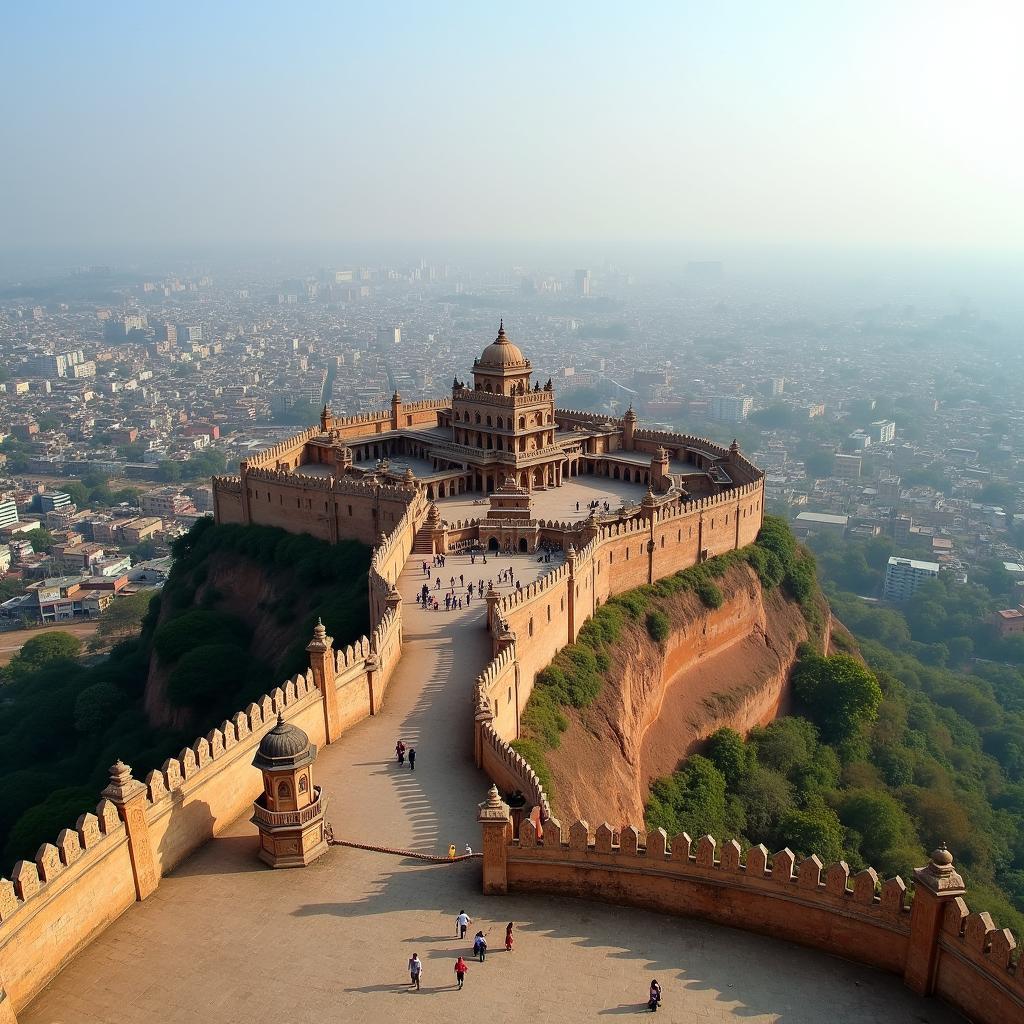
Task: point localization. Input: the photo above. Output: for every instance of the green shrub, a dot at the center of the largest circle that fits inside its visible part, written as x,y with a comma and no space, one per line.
657,625
199,626
634,602
710,594
543,720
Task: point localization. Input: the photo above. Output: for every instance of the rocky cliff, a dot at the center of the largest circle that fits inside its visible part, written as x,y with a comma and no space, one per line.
727,666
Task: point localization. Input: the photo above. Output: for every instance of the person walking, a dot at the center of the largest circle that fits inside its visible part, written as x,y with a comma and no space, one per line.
509,940
415,970
400,752
462,922
460,971
412,759
480,946
654,1001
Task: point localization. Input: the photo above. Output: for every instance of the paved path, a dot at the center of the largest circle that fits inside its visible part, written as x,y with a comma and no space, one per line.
224,940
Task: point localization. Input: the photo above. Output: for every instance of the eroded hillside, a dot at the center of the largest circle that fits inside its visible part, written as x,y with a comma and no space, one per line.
725,666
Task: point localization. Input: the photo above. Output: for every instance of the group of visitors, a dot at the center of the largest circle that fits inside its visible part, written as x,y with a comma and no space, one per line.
462,923
401,752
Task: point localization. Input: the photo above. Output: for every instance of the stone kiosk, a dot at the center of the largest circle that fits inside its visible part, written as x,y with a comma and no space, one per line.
289,813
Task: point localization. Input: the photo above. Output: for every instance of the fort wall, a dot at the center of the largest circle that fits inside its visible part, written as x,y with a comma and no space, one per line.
55,905
933,942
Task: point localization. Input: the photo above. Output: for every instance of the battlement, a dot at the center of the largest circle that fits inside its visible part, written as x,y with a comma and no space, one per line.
281,449
498,754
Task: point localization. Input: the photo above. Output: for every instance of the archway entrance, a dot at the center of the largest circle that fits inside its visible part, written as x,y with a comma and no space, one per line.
492,544
522,544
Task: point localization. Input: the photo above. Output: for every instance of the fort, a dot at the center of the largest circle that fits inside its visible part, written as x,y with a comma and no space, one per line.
569,509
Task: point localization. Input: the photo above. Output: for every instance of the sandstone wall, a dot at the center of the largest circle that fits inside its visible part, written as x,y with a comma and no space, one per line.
933,942
55,905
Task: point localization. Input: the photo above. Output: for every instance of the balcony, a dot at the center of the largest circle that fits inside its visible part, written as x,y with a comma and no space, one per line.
282,819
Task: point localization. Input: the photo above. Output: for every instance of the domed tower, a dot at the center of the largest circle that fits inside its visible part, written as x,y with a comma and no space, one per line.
289,813
506,427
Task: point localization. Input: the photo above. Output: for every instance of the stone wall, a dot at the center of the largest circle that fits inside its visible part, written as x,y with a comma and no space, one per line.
55,905
934,943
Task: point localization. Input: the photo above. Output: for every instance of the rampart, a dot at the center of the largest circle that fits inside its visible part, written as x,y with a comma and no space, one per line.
933,942
548,614
76,886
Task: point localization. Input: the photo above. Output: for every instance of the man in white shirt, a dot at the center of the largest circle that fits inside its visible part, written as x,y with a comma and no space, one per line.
462,922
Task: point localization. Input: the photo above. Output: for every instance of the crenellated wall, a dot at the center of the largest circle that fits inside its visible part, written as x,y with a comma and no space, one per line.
933,942
56,904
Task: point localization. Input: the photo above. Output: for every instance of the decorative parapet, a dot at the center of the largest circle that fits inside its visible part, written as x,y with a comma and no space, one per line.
31,879
988,949
519,768
287,446
806,881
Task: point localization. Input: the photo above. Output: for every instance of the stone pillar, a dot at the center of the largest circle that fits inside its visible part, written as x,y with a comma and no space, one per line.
372,666
396,410
628,429
496,826
128,795
492,599
321,661
935,887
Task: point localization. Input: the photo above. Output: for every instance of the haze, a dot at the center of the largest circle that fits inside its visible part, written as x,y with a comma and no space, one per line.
892,124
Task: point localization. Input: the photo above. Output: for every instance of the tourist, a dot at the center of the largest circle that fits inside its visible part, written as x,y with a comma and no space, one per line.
460,971
655,996
468,852
480,946
462,922
437,585
462,580
415,970
508,938
400,752
577,506
451,851
412,759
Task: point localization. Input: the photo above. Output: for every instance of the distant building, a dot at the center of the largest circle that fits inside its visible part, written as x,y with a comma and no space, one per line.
730,408
821,523
774,386
388,336
904,576
166,503
1009,622
51,501
883,431
847,466
8,512
583,283
858,441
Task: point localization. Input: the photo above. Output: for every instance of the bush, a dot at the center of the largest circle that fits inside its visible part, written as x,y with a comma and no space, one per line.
198,627
207,673
730,755
634,602
710,594
542,719
96,706
657,626
839,692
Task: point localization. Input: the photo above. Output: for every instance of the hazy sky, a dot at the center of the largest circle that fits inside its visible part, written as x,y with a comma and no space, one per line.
825,123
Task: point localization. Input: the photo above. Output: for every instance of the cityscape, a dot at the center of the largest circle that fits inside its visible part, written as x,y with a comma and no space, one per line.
512,513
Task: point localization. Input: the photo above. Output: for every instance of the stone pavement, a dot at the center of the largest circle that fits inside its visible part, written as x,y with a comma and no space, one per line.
225,940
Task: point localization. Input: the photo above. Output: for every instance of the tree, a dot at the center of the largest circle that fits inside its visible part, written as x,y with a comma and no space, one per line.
690,800
879,820
77,492
816,830
43,650
168,471
96,706
42,540
123,618
839,692
730,755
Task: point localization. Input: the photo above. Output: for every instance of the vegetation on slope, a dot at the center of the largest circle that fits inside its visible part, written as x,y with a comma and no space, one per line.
578,672
881,763
65,721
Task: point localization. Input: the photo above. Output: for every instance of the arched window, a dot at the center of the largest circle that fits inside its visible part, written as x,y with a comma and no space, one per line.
284,791
303,784
478,417
522,422
489,423
501,423
531,627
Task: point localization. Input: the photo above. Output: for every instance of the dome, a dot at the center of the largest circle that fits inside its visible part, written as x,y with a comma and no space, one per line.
285,746
501,352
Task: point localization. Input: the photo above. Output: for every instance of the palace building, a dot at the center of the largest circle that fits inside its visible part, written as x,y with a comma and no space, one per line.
499,435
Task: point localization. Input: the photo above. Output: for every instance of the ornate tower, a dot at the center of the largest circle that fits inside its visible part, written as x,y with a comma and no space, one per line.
289,813
628,429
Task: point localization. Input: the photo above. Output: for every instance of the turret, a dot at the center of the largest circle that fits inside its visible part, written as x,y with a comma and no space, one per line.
628,429
396,410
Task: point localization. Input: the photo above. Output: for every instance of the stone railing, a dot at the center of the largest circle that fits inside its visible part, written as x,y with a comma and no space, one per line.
263,816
